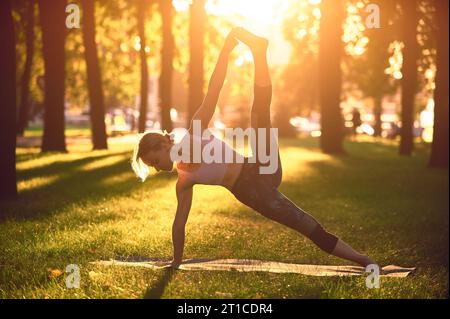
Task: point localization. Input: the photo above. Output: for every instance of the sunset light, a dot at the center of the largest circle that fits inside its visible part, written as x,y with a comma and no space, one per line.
263,150
254,11
260,11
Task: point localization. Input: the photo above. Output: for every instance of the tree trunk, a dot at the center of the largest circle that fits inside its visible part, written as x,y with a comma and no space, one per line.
167,52
409,71
330,81
8,188
142,6
96,99
53,18
439,147
25,81
377,111
196,51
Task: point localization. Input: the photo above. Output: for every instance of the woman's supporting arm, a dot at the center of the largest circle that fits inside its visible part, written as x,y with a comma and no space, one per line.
184,198
206,110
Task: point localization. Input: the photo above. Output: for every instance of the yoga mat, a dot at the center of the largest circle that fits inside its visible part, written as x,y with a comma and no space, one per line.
245,265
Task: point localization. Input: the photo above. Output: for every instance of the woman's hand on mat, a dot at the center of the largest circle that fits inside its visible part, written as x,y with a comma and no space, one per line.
175,263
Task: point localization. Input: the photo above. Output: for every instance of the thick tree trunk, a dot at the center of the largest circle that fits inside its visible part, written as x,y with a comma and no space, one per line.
26,76
377,111
439,148
196,50
167,52
409,71
330,81
53,18
96,99
142,5
8,188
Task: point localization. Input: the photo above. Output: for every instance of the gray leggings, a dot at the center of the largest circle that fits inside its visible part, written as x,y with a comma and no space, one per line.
260,191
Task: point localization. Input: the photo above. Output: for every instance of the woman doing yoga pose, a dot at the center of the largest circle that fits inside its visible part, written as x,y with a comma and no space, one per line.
242,177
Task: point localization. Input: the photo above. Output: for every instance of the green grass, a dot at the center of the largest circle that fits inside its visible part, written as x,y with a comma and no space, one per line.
70,131
87,205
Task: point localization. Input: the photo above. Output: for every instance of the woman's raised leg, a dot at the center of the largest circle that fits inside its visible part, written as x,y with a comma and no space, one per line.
271,203
260,112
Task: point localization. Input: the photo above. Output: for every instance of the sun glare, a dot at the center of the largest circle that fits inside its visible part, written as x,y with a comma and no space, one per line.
255,11
264,11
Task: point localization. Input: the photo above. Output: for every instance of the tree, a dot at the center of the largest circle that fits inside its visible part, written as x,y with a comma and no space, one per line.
439,148
196,49
8,188
24,106
141,8
409,70
368,70
330,81
52,16
94,79
167,54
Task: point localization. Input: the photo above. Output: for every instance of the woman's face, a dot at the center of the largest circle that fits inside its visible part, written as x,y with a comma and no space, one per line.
159,159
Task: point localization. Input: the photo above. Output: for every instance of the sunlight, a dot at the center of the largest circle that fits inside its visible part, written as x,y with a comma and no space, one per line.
36,182
427,121
355,42
262,11
181,5
102,163
396,60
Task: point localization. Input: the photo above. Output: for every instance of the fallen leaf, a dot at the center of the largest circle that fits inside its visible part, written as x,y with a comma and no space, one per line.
53,273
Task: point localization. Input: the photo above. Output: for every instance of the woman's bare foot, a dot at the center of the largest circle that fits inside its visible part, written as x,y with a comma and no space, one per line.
365,261
256,43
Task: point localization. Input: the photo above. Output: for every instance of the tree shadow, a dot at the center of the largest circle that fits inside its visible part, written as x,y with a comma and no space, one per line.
63,167
75,185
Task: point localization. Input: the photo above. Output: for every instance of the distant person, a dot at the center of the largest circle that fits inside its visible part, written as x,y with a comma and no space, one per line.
356,120
394,131
243,179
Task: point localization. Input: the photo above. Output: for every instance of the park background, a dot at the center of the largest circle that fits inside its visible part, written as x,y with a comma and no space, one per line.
73,100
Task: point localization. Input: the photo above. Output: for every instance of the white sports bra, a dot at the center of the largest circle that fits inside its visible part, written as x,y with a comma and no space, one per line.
212,167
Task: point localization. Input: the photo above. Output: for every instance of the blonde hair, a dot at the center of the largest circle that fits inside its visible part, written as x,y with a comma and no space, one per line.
147,141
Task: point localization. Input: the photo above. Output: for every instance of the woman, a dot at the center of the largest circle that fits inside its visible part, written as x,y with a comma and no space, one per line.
244,180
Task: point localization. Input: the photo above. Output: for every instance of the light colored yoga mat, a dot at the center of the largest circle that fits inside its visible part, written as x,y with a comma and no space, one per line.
245,265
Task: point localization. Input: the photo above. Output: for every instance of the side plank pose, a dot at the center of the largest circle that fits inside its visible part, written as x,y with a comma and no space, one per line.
242,179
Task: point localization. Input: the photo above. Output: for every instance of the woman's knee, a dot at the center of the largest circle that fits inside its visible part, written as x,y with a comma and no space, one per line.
323,239
279,208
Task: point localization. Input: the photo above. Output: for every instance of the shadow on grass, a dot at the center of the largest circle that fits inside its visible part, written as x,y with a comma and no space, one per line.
63,167
157,290
75,185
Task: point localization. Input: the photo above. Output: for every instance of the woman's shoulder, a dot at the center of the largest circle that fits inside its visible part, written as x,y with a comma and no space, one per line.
188,167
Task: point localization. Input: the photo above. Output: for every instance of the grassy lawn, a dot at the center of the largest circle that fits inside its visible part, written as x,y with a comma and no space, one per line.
70,131
87,205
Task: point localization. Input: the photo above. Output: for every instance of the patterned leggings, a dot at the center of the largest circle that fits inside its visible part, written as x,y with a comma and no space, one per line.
260,191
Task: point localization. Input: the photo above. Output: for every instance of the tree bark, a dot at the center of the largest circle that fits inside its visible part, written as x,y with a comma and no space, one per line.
167,53
53,16
94,79
24,106
142,5
330,76
409,71
439,147
196,51
8,188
